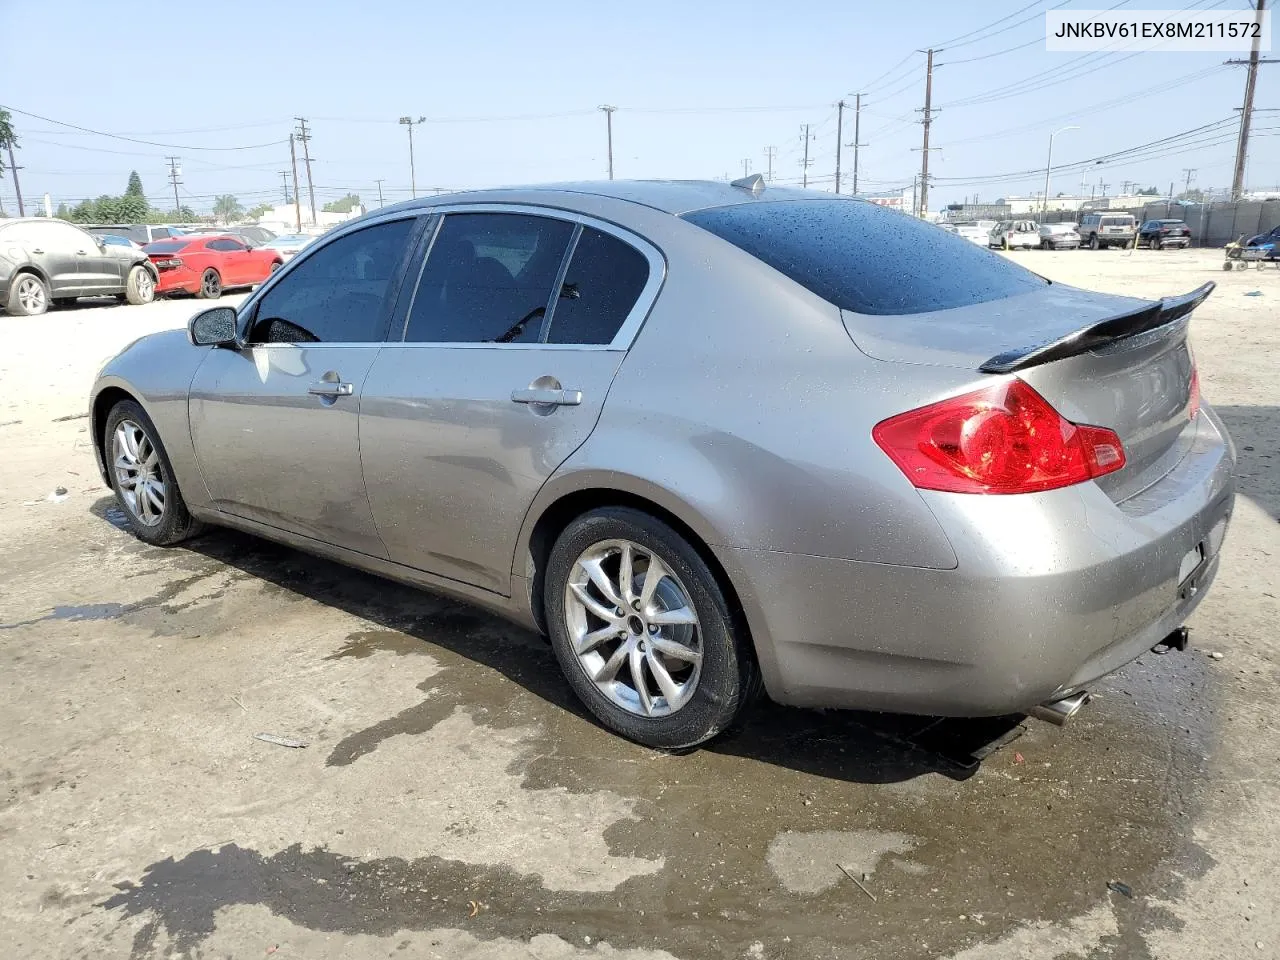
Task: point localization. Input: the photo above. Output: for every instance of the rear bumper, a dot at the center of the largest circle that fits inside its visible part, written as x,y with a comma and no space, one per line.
1051,592
179,280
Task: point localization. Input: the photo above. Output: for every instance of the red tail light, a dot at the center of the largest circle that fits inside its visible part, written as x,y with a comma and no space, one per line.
1003,439
1193,407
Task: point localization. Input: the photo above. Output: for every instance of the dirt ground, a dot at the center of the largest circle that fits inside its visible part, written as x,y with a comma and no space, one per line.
454,801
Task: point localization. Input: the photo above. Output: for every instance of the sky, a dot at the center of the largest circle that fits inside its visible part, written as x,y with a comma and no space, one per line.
511,94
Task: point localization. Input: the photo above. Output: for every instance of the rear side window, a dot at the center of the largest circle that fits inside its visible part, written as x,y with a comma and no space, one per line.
867,259
488,279
603,282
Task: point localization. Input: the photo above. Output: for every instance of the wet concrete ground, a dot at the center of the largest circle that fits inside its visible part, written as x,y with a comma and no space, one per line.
454,800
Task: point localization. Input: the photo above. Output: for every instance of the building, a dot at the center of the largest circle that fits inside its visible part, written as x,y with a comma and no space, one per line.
283,219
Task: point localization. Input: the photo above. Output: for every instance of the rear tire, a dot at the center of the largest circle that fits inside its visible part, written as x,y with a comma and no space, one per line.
140,288
1155,243
143,479
28,296
1093,243
686,643
210,285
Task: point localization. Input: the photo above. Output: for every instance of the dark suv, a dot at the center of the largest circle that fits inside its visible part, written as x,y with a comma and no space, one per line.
1164,233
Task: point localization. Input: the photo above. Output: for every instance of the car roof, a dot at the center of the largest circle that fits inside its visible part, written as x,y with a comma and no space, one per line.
671,196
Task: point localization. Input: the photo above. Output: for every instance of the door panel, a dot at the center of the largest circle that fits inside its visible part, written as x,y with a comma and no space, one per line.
274,451
452,462
53,247
100,272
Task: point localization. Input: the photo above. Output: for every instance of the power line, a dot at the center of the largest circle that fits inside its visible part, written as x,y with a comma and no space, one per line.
149,143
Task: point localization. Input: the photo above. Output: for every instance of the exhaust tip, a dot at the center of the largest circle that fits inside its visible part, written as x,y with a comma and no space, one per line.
1058,712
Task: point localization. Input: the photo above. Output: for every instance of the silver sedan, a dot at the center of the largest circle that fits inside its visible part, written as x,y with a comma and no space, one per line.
710,438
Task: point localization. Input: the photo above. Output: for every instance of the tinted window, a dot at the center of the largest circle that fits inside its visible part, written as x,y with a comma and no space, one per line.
165,246
160,232
601,286
488,279
338,294
224,245
866,259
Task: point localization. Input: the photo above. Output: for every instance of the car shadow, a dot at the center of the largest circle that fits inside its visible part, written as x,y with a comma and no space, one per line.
1256,432
845,745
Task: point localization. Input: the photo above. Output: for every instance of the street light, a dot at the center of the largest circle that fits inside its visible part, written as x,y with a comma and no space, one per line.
1044,207
409,122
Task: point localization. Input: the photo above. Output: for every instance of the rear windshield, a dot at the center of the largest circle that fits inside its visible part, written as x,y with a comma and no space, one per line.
165,246
864,258
1117,221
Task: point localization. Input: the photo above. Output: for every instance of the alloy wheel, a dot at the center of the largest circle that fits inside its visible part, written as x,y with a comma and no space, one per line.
138,473
146,287
31,295
633,628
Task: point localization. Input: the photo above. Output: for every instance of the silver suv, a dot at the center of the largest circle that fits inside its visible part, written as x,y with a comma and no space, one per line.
44,262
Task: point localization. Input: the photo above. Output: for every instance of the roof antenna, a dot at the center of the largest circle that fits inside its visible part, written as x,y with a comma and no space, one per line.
754,183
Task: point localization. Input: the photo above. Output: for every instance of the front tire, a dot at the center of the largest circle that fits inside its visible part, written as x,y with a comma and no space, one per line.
210,285
1155,243
643,631
28,296
1093,243
143,479
140,288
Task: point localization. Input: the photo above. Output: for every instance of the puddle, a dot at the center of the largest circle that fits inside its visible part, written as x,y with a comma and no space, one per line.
75,614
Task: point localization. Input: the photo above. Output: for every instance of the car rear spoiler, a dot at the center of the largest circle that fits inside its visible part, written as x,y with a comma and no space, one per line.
1167,311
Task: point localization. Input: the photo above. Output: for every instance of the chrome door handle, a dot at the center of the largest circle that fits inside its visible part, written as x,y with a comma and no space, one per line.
83,253
546,396
330,388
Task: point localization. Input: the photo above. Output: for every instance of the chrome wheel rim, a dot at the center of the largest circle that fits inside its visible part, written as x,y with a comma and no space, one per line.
633,628
138,474
31,294
211,284
146,286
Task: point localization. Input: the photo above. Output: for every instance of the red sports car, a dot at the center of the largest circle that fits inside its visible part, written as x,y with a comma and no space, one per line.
207,265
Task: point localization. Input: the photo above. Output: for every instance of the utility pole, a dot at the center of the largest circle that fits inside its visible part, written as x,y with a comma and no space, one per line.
297,203
608,122
857,137
1246,111
284,179
928,119
805,165
1190,172
770,152
379,182
305,137
746,166
839,138
17,189
175,173
413,179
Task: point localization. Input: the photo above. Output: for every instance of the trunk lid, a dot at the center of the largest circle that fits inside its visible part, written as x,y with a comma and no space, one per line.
1100,359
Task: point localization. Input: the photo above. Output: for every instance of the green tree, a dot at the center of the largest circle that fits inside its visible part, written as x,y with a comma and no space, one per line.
64,212
1149,192
345,205
257,212
7,138
135,185
227,208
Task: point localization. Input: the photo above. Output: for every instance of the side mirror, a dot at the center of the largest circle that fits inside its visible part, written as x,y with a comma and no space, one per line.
215,327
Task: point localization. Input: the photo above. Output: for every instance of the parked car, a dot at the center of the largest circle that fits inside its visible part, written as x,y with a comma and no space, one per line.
139,233
208,265
288,245
1059,236
577,406
1010,234
253,236
47,262
1158,234
975,231
1098,230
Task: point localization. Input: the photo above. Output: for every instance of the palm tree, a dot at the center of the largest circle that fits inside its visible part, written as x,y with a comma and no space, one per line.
227,208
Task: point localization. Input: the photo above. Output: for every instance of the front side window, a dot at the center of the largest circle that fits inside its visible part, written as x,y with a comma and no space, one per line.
224,245
864,258
488,279
339,293
603,282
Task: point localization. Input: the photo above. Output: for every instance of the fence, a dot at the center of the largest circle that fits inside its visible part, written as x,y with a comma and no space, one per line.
1212,224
